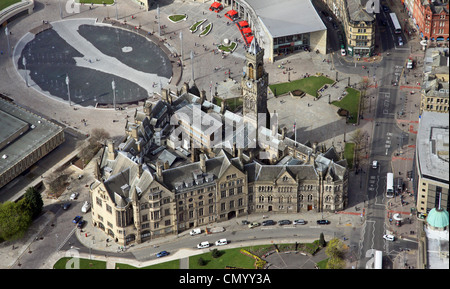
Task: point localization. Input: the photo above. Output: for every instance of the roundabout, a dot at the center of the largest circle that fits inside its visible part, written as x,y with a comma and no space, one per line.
89,64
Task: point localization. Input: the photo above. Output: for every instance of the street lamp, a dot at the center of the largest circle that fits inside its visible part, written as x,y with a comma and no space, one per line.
68,88
7,40
113,85
24,62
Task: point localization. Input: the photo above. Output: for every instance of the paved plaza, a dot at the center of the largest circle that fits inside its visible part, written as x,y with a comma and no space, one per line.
209,69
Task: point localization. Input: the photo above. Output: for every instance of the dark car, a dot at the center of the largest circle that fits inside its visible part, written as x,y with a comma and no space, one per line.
81,224
268,223
323,222
77,219
162,254
284,222
65,206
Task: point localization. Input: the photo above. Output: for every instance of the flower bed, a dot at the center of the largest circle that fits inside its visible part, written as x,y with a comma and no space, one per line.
175,18
206,30
259,263
195,26
228,48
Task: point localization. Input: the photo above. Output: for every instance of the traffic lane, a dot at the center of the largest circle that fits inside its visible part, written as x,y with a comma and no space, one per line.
269,234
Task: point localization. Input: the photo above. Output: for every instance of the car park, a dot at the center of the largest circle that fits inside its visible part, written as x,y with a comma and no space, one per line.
284,222
268,223
73,196
221,242
162,254
77,219
254,225
389,237
203,245
299,222
323,222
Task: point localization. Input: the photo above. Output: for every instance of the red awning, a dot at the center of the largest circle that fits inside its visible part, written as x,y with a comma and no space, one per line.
243,23
216,5
247,30
232,12
249,39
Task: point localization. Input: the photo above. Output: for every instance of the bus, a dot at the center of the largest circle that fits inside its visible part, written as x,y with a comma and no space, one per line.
390,185
394,20
378,262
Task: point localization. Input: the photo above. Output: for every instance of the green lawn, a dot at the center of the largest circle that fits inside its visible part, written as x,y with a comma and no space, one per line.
177,17
232,103
97,1
230,257
84,263
349,152
351,103
310,85
6,3
195,26
228,48
206,30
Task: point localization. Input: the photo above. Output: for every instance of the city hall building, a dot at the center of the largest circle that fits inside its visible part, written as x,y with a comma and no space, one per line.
278,27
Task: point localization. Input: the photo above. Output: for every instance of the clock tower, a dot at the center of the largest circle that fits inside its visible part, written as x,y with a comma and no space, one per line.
254,84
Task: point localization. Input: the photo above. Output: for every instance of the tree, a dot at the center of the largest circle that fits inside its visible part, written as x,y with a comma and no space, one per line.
335,248
322,242
14,220
335,252
33,200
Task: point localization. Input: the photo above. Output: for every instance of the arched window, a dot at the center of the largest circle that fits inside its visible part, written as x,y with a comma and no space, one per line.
251,71
260,71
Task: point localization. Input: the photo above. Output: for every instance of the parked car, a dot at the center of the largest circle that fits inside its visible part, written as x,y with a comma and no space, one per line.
343,52
299,222
77,219
400,41
284,222
254,224
245,222
73,196
203,245
65,206
195,232
162,254
268,223
86,206
389,237
221,242
81,224
374,164
323,222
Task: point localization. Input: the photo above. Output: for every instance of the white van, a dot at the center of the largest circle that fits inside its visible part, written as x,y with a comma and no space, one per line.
221,242
203,245
389,237
374,164
195,232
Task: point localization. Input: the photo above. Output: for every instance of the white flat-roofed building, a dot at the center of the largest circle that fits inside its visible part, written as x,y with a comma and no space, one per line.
432,161
284,26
